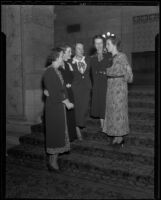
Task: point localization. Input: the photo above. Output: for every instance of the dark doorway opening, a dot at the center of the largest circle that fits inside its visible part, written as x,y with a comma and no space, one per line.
144,68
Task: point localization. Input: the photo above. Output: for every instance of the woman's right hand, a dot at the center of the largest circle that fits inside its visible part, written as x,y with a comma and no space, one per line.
46,93
69,105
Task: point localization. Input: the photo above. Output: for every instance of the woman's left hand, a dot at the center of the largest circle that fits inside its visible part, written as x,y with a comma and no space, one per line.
68,85
46,93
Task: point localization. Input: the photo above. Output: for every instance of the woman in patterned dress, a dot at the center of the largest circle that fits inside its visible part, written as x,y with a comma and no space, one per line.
118,75
57,138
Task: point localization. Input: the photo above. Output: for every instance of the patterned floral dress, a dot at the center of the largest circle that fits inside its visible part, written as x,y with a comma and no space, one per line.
116,115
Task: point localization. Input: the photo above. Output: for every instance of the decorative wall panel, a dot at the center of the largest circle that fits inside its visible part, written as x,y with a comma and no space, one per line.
145,28
14,63
30,35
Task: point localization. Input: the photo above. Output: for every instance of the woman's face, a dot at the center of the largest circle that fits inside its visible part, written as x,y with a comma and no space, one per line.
79,50
98,44
67,54
109,46
60,59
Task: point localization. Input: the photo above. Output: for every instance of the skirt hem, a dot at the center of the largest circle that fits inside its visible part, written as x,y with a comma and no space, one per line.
115,134
58,150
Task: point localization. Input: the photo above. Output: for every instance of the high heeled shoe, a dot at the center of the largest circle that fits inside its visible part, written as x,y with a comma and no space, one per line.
114,141
121,144
79,137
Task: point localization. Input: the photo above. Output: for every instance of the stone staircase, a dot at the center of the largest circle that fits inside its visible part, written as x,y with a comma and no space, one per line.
94,159
145,77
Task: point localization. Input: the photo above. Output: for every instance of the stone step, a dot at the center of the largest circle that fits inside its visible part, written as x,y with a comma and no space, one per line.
141,103
142,110
135,125
36,128
19,126
110,169
142,114
135,173
141,98
141,94
134,139
92,124
12,138
142,125
141,89
144,80
75,184
101,149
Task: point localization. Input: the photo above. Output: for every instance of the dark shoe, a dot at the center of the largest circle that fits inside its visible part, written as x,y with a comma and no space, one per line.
80,139
52,169
121,144
114,141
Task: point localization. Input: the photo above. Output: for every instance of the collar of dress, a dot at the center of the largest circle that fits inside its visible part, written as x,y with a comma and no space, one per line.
75,60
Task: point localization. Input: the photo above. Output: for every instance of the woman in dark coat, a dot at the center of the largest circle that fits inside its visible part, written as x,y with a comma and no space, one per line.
99,62
81,86
67,73
57,138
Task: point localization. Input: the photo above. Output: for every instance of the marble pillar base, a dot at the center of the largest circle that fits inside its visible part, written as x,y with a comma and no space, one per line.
15,128
19,126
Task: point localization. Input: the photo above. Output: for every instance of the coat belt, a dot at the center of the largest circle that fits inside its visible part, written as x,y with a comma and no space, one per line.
115,76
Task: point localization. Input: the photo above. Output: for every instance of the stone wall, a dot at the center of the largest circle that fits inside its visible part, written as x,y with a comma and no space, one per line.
30,35
101,19
14,68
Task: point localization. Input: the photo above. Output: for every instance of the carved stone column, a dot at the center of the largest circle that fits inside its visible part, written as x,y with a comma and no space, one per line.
29,33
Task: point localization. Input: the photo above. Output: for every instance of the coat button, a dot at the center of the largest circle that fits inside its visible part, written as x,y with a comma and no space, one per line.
82,76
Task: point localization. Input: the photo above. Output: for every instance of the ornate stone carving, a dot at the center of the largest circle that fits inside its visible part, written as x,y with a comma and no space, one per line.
146,18
145,27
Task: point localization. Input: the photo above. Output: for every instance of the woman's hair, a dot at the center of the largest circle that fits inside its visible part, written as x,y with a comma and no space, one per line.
79,43
54,54
93,50
115,41
65,47
98,37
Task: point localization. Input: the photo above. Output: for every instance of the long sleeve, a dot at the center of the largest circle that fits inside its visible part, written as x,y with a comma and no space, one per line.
54,86
129,74
121,67
92,70
109,59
